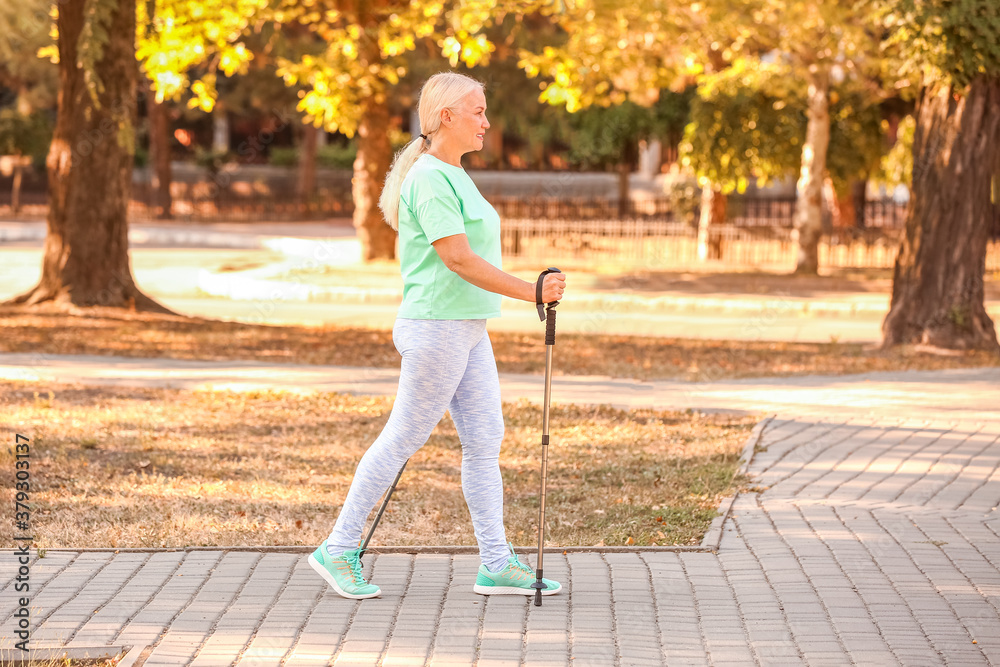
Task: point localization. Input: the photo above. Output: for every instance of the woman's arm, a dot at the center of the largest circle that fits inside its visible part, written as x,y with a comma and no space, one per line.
458,256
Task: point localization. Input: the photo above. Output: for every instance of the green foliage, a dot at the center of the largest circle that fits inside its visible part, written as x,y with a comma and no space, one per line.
896,166
25,135
602,136
856,135
94,36
337,155
331,156
283,156
742,127
25,26
685,199
212,160
930,40
614,51
749,123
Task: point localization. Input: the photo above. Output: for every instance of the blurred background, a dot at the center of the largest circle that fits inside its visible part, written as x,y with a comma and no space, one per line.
725,135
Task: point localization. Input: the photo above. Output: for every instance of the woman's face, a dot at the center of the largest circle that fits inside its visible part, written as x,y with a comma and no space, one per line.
469,122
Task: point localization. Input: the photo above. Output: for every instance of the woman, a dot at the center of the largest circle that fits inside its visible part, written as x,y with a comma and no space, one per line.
449,240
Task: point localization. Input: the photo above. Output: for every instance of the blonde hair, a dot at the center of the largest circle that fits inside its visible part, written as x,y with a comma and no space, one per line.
441,91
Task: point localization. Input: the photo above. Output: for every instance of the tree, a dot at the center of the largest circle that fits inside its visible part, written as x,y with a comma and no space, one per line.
183,46
617,49
745,126
86,261
952,49
821,42
606,137
748,123
355,65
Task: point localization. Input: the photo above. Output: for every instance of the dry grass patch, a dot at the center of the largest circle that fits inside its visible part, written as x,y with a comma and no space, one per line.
109,332
118,467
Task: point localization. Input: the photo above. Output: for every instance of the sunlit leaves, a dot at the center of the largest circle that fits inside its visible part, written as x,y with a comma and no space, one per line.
741,128
185,34
748,124
98,15
365,49
896,166
931,40
613,51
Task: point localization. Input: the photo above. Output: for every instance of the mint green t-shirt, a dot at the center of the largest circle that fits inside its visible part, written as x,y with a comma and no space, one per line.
438,199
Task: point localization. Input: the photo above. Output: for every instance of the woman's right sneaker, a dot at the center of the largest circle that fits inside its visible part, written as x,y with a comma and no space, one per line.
343,573
515,579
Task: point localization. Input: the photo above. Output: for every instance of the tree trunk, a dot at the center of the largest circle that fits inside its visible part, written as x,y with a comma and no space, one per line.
86,260
15,192
859,194
378,240
159,149
623,190
307,161
809,206
845,204
493,145
713,213
937,288
220,128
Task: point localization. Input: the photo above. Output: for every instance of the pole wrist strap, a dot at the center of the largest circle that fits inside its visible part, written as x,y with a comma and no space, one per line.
538,293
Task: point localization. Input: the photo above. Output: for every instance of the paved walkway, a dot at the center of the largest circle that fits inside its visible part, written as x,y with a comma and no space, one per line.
966,394
872,539
873,544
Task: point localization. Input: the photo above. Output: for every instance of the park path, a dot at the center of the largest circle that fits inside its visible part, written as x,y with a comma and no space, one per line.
972,393
871,538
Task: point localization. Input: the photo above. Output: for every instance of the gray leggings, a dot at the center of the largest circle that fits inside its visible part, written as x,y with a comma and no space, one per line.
447,365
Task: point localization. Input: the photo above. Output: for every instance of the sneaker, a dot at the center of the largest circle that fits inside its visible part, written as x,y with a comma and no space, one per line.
515,579
343,573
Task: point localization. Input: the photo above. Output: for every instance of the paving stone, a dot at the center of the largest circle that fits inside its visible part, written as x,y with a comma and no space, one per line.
872,546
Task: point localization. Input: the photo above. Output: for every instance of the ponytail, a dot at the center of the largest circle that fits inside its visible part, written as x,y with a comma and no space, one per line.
441,91
388,201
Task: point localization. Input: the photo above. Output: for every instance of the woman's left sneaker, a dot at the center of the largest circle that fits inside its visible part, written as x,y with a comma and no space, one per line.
515,579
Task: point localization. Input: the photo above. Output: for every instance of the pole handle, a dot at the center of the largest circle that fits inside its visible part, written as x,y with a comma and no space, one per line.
550,323
542,307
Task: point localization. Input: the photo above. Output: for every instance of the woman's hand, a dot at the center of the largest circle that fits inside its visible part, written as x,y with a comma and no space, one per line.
553,286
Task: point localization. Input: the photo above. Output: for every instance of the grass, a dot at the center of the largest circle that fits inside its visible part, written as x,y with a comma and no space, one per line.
648,358
166,468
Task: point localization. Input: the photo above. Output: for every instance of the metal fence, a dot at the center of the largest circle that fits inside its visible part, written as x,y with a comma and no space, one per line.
758,231
651,244
242,202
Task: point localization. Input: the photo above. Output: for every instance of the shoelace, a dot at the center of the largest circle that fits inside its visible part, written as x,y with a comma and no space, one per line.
355,566
522,569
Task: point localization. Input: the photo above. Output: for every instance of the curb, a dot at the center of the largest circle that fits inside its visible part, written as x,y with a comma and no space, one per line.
325,249
752,441
713,536
55,655
248,288
415,549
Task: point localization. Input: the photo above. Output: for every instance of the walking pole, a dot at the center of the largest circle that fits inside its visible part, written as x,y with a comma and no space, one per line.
546,313
381,511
